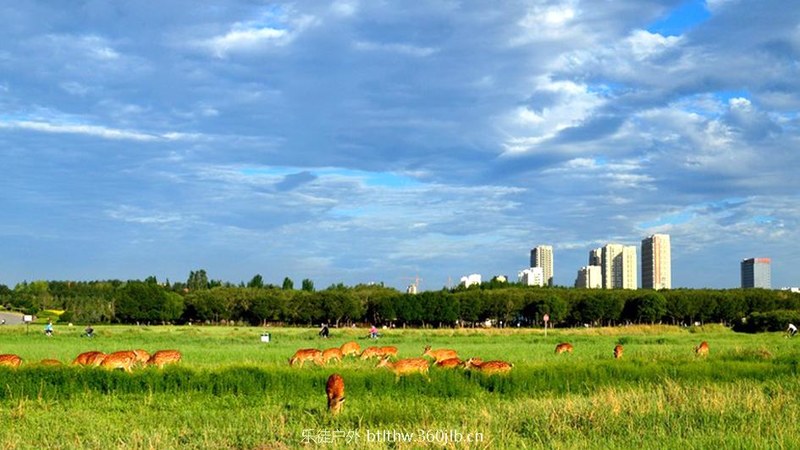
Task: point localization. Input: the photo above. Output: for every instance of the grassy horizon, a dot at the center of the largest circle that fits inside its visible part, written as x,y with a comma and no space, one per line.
233,391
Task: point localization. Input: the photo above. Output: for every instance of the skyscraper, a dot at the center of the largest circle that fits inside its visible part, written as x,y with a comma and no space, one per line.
542,256
619,266
756,273
656,262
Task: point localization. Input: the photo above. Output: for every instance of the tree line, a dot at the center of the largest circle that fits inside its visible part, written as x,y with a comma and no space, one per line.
201,300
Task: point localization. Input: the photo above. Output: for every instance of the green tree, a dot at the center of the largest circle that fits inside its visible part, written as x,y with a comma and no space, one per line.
198,280
308,285
257,282
288,284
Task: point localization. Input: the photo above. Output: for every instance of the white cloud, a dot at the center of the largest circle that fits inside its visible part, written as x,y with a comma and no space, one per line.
246,37
566,104
345,8
97,131
403,49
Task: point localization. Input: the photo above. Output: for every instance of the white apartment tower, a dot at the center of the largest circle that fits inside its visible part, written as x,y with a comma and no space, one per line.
619,266
589,277
656,262
542,256
532,277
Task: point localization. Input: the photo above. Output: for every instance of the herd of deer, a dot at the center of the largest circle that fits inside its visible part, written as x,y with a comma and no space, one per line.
124,360
445,358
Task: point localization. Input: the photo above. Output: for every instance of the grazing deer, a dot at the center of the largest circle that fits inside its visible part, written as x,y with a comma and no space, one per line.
450,363
370,352
618,351
163,357
92,358
119,360
306,354
332,353
439,355
10,360
702,349
335,390
141,356
406,366
489,367
350,349
564,347
388,351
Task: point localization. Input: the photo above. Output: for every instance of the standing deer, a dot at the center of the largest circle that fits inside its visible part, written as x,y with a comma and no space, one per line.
350,349
92,358
141,356
10,360
702,349
332,353
119,360
306,354
618,351
440,354
163,357
405,366
335,390
564,347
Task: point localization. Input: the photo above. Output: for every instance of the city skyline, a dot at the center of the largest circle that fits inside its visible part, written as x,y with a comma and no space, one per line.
348,141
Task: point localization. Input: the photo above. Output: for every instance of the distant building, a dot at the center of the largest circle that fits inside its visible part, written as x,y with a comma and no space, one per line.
542,256
471,279
533,276
756,273
589,277
619,266
596,257
500,279
411,289
656,262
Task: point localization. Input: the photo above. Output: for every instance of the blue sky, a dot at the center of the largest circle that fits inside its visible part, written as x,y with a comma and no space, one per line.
372,141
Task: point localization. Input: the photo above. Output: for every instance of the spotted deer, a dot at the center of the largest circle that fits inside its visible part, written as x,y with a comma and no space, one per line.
702,349
350,349
371,352
405,366
334,388
440,354
618,351
489,367
564,347
331,353
306,354
119,360
10,360
450,363
141,356
388,351
163,357
92,358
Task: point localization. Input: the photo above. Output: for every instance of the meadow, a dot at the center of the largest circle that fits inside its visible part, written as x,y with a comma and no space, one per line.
233,391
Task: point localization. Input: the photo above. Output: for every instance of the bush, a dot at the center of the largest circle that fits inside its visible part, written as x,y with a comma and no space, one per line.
759,322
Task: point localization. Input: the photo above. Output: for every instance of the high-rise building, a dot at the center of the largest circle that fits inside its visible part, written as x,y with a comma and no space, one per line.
596,257
619,266
756,273
589,277
542,256
532,277
656,262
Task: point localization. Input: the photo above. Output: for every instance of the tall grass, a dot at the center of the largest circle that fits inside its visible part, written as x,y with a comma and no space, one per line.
232,391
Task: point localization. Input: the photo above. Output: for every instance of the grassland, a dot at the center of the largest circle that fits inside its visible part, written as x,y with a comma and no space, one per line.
232,391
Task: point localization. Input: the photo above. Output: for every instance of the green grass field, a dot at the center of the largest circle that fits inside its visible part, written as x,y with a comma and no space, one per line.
233,391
